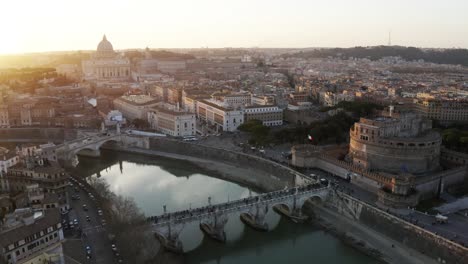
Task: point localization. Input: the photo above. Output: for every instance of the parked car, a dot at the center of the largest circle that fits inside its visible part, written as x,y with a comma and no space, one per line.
88,252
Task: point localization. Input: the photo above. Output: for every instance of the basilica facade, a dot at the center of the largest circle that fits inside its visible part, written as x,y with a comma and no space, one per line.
106,64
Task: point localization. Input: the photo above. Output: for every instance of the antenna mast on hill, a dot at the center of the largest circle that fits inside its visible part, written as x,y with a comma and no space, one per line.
389,38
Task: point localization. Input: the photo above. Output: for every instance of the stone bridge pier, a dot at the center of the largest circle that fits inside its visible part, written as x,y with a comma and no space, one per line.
169,237
253,211
255,217
214,227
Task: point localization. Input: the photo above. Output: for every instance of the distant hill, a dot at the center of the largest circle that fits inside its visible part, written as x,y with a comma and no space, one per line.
441,56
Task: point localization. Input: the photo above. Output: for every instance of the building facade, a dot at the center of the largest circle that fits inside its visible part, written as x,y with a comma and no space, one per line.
443,110
32,236
170,121
220,116
395,144
106,64
135,106
269,115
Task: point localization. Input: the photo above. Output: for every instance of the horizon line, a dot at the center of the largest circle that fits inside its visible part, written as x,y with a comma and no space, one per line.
238,47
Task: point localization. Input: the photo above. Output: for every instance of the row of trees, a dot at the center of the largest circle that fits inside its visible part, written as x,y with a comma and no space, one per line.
332,130
357,108
127,224
456,139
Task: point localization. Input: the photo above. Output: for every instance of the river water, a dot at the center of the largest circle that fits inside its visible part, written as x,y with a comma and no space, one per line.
154,182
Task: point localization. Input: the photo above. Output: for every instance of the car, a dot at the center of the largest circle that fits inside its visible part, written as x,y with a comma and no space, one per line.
114,248
85,208
103,222
75,221
324,181
88,252
88,219
99,212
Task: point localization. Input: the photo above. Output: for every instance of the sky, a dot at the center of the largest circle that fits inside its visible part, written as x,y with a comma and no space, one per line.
57,25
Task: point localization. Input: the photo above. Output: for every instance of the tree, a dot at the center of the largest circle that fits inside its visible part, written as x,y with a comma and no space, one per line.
259,132
140,123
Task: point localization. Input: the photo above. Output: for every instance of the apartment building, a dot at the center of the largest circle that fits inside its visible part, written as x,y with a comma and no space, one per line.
135,106
170,120
32,236
447,110
219,115
270,115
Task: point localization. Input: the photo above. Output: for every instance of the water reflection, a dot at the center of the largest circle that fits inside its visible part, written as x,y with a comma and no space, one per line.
154,182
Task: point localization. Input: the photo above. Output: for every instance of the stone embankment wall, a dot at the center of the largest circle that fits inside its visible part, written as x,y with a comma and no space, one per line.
56,135
429,186
273,176
306,156
408,234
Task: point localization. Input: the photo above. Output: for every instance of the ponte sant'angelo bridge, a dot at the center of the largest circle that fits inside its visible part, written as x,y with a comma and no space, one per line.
252,210
89,145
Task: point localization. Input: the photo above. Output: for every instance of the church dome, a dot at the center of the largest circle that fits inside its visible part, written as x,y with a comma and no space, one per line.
105,49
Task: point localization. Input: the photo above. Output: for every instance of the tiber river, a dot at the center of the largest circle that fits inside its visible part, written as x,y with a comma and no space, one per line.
154,182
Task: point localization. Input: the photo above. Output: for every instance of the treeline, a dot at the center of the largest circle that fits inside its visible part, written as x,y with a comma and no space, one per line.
334,129
357,108
445,56
127,223
26,73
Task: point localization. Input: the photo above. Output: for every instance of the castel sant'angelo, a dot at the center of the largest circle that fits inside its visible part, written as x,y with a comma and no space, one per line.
395,143
396,155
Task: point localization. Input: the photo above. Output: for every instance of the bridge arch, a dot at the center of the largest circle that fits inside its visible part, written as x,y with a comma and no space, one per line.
108,141
84,150
315,200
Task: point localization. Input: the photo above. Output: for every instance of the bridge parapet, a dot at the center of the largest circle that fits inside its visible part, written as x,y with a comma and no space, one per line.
213,217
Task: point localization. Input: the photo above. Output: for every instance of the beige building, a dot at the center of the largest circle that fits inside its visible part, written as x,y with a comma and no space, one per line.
220,116
262,100
4,120
171,121
106,64
269,115
332,99
135,106
7,159
443,110
32,237
233,99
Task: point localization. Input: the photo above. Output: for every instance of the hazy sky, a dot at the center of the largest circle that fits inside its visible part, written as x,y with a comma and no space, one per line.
48,25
